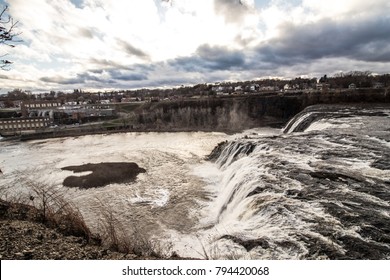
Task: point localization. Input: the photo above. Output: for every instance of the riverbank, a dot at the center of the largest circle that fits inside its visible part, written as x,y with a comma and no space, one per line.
25,235
230,114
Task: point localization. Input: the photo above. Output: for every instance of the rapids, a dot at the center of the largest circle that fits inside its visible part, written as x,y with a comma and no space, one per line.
318,189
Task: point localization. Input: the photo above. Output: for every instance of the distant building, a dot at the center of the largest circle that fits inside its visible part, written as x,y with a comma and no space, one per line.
41,104
352,86
40,108
322,86
254,87
269,88
222,93
218,88
23,124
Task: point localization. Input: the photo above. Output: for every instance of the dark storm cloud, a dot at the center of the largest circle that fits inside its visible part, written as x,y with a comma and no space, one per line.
61,80
82,78
130,49
127,75
98,76
366,41
87,77
232,10
298,46
210,58
97,71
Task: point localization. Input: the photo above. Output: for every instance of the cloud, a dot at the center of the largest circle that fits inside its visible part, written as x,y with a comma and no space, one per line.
62,80
208,58
103,62
82,78
119,44
127,75
131,50
357,40
233,10
96,76
87,33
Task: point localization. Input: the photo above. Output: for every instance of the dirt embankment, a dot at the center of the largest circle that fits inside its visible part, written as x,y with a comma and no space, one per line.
25,234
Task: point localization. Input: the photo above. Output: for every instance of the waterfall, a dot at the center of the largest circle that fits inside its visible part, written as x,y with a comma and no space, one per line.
234,151
304,119
295,123
314,195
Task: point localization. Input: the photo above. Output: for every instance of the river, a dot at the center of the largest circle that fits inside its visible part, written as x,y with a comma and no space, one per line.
317,190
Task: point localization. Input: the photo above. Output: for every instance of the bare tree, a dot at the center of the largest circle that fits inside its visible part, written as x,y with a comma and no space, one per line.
7,35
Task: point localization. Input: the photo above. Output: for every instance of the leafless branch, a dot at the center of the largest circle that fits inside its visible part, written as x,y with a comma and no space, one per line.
7,35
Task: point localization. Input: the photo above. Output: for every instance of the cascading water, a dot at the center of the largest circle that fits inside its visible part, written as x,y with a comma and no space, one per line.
321,193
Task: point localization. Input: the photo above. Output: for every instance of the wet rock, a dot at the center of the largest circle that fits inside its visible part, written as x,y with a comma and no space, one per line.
382,163
294,193
319,249
248,244
360,249
102,174
216,152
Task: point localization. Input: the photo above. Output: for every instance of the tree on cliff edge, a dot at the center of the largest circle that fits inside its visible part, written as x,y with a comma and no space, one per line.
7,35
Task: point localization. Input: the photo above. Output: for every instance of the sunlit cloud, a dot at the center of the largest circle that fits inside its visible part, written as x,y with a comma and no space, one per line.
96,44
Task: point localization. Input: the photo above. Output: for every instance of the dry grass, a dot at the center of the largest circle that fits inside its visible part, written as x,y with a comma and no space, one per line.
47,204
131,240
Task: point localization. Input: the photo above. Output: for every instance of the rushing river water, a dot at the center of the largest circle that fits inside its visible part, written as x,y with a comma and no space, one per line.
318,189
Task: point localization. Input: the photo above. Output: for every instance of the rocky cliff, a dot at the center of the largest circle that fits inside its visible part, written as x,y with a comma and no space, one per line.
240,112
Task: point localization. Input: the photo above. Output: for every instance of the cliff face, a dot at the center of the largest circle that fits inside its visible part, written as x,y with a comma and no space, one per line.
227,114
208,114
241,112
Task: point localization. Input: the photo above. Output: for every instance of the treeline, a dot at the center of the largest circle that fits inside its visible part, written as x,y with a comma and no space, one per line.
361,79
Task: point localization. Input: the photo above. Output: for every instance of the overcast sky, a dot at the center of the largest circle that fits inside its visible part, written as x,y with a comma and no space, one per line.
118,44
